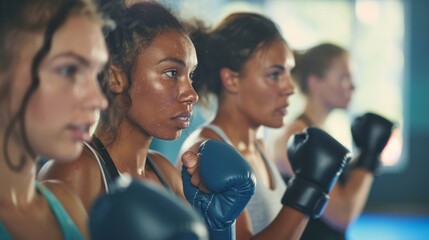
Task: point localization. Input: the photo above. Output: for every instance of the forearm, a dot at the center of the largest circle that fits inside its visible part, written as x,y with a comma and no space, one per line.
348,200
289,224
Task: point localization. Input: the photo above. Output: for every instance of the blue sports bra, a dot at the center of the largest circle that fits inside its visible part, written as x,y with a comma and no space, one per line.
68,227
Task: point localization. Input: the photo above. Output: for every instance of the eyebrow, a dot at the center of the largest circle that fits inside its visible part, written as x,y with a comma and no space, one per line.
77,57
173,59
280,67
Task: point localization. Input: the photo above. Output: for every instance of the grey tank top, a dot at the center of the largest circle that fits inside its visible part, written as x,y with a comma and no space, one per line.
265,204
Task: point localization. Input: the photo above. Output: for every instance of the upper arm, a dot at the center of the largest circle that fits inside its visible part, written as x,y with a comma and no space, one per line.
71,204
82,175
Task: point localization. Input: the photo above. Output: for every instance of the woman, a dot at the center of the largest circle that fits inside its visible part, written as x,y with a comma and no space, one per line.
323,76
245,62
152,65
153,60
51,52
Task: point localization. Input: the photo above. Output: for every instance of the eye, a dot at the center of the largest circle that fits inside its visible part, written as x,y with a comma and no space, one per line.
192,75
171,73
274,75
68,71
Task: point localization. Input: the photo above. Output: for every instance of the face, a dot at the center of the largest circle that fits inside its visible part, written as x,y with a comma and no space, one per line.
65,104
265,85
336,86
161,90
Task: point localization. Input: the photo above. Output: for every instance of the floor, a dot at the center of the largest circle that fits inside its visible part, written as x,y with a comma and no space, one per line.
389,227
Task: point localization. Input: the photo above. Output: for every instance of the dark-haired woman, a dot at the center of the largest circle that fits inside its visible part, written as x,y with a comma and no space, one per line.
150,79
246,63
50,54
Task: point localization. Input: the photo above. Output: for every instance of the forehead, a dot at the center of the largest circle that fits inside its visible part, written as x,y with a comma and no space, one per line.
170,43
274,53
82,36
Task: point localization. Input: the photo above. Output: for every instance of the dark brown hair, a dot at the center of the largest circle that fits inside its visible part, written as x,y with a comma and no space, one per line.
20,20
136,28
315,61
230,45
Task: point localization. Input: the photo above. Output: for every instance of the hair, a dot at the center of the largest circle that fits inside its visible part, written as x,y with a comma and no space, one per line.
315,61
20,21
230,45
136,28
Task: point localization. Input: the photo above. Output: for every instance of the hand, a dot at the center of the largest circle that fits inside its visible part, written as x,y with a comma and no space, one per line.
218,186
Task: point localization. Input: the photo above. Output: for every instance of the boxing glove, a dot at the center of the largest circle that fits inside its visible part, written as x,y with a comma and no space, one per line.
231,183
370,134
318,159
136,210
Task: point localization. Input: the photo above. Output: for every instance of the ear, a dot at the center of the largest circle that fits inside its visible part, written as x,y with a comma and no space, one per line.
118,80
313,83
229,80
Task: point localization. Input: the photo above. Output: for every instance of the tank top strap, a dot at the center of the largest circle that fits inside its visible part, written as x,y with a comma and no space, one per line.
219,132
68,227
108,169
157,173
270,166
4,235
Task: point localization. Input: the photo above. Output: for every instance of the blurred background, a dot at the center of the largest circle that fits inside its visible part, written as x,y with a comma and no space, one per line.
389,45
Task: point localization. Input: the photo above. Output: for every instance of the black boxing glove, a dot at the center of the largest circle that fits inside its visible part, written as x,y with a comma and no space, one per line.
318,159
136,210
370,134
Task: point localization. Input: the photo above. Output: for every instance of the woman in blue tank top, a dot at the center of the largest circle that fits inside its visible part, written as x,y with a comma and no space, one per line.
50,54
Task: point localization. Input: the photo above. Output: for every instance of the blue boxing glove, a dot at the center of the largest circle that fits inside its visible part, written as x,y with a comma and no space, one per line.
231,183
136,210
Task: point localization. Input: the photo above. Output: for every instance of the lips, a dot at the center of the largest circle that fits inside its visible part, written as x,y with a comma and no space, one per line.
80,132
182,120
282,110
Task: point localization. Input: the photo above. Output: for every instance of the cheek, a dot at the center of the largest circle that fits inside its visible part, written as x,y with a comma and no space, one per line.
150,102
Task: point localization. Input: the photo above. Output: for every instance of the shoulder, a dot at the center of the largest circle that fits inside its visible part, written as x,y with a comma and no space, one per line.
78,168
168,171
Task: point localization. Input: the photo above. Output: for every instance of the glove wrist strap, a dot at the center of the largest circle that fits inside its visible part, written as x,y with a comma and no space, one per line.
368,161
227,233
305,197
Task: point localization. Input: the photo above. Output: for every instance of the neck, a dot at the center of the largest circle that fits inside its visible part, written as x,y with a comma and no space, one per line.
239,130
129,149
316,111
17,188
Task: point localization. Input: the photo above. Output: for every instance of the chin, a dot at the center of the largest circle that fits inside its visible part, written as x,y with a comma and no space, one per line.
276,124
67,153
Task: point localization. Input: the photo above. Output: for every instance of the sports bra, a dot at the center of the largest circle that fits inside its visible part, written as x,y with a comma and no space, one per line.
68,227
108,169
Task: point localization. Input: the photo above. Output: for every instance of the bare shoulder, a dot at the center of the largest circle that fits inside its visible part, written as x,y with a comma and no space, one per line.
69,171
193,142
82,175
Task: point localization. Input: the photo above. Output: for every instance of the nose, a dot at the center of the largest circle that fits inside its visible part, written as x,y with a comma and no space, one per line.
188,94
286,86
94,98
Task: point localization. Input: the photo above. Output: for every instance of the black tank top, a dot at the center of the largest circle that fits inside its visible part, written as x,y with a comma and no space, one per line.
110,170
